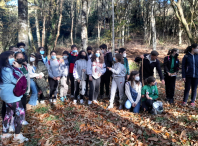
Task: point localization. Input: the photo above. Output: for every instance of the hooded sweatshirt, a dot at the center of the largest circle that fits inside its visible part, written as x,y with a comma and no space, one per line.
72,60
53,67
78,67
118,70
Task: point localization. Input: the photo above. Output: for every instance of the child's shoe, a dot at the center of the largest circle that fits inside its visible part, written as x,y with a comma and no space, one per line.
81,101
110,106
74,102
19,139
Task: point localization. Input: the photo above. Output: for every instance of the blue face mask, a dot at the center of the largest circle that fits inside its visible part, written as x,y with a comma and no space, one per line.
74,51
42,52
54,57
11,60
114,59
64,57
97,54
22,49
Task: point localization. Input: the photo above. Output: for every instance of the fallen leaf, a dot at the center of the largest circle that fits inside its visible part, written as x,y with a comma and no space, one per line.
153,138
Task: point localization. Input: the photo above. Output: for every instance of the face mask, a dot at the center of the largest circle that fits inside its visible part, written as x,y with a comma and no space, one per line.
42,52
11,60
32,59
83,57
74,51
137,78
20,61
54,57
22,49
196,51
89,53
124,55
97,54
15,52
64,57
114,59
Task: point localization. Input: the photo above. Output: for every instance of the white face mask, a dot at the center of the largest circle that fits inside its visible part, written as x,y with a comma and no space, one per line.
137,78
32,59
124,55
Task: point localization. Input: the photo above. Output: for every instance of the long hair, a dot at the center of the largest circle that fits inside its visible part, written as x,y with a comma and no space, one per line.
4,62
119,58
36,59
101,58
80,56
189,48
171,51
132,79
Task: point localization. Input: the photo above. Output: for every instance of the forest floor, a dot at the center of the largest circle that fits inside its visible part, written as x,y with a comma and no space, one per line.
67,124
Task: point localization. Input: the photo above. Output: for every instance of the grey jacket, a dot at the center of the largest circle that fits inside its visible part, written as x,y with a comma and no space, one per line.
64,68
78,67
118,70
53,67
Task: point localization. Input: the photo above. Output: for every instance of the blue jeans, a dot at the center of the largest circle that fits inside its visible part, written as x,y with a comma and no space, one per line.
34,96
136,109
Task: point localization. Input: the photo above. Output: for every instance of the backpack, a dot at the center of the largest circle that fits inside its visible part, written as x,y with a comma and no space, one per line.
21,85
157,107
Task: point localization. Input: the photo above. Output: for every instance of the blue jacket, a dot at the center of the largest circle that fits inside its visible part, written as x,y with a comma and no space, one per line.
6,88
190,66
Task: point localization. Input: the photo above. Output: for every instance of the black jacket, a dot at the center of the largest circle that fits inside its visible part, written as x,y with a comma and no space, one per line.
108,59
25,57
148,67
190,69
167,64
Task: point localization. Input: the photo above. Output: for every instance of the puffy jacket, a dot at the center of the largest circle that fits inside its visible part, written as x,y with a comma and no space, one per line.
190,66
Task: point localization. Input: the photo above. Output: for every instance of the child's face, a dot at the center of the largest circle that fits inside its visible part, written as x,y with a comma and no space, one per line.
152,84
83,53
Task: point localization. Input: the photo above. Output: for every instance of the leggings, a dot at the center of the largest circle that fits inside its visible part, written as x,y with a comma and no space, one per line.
11,109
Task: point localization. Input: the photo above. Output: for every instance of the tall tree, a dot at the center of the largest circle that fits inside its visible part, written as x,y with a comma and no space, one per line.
37,29
72,21
23,22
84,37
153,26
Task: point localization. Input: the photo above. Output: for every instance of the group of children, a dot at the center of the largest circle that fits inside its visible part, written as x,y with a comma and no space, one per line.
87,72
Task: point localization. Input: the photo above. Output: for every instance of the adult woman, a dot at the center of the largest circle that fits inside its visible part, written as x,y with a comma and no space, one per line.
134,82
171,68
13,103
95,68
41,51
190,73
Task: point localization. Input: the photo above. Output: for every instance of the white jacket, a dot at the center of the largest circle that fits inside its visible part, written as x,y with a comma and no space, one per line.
32,73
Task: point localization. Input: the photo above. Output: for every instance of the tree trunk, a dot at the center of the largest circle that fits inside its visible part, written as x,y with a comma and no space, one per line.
59,24
37,29
113,35
72,21
153,26
43,32
84,37
123,28
23,22
30,36
180,34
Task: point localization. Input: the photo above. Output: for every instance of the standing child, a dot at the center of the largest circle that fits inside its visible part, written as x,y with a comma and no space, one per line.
149,94
133,83
119,73
41,51
53,66
171,68
80,71
95,68
122,51
64,67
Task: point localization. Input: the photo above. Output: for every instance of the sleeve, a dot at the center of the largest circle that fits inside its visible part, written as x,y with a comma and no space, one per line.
110,58
139,96
128,92
28,81
49,70
156,93
166,70
119,69
138,59
127,67
75,71
89,67
31,74
143,91
8,73
103,70
184,67
159,70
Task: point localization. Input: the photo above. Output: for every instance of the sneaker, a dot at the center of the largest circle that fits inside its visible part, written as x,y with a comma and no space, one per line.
110,106
184,104
89,102
20,138
81,101
62,99
74,101
42,101
25,123
65,97
95,101
78,97
7,136
50,100
37,102
6,140
72,96
54,101
192,104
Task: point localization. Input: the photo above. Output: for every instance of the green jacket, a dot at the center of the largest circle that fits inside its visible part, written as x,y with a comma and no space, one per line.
152,91
126,65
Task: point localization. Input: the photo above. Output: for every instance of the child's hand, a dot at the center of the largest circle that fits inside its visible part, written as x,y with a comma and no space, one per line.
109,68
78,80
134,105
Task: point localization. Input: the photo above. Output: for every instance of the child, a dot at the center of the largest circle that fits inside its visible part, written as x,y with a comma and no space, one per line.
122,51
41,51
95,68
134,82
149,94
80,71
64,67
72,58
119,73
171,68
89,53
21,46
190,73
53,66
